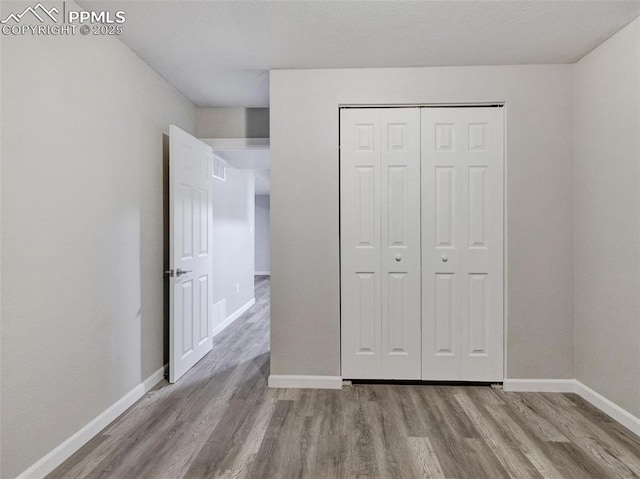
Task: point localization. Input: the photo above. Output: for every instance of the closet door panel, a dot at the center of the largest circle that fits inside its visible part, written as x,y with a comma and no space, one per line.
400,255
482,343
380,243
360,243
422,243
462,244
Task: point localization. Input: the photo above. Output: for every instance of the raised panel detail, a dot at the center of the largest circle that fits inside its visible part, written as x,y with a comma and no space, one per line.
187,314
477,137
445,314
477,290
478,207
396,136
366,319
397,312
444,206
203,284
444,137
364,137
365,206
203,224
187,156
397,204
187,221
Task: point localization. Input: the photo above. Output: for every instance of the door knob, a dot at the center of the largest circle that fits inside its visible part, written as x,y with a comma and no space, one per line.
444,258
180,272
398,258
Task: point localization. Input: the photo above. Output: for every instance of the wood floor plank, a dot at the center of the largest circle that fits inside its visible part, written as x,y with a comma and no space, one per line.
331,460
270,459
221,420
510,456
251,446
426,458
226,438
456,456
389,441
86,459
539,425
613,428
595,440
360,452
525,440
486,459
574,462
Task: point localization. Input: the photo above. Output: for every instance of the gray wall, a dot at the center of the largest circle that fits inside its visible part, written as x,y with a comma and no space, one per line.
233,123
607,219
305,325
82,238
233,238
263,233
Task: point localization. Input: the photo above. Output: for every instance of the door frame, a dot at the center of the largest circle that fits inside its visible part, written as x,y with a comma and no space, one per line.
505,236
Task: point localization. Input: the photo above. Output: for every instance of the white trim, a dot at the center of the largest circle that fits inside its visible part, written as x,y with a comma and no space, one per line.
231,318
61,453
607,406
505,243
497,104
540,385
223,144
262,273
305,382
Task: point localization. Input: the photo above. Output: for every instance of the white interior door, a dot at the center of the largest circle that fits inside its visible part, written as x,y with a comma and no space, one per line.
380,243
462,244
190,236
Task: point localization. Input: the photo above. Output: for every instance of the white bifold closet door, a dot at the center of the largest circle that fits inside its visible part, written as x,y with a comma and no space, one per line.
380,243
462,244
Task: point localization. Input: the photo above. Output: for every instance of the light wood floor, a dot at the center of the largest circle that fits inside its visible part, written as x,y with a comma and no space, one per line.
221,420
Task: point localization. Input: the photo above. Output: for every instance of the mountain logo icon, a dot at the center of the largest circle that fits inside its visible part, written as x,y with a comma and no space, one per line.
39,11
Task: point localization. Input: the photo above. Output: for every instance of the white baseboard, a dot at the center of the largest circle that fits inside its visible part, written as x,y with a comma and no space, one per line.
540,385
61,453
621,415
305,382
607,406
230,319
262,273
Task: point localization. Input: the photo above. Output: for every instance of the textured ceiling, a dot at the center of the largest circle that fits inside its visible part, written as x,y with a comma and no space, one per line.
219,53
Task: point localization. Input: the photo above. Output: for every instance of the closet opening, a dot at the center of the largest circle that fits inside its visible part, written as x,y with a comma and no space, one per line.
422,242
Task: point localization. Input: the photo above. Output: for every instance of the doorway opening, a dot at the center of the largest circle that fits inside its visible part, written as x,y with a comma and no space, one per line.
218,219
